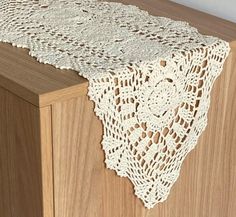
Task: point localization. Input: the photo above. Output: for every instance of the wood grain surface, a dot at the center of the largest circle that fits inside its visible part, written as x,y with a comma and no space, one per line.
39,84
46,148
25,159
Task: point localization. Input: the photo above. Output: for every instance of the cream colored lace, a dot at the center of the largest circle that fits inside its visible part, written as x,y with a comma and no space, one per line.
150,78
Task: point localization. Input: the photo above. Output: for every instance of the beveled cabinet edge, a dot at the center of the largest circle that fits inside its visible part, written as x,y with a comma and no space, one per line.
46,137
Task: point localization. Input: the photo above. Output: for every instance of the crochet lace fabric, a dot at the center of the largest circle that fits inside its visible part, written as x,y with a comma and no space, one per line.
150,78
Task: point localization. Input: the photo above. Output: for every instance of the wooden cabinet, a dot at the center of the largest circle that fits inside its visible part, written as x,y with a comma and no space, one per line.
51,160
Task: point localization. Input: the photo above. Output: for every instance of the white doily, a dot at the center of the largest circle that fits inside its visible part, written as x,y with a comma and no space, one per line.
150,78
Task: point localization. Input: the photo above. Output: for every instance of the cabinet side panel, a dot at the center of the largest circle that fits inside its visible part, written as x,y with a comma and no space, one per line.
207,183
21,172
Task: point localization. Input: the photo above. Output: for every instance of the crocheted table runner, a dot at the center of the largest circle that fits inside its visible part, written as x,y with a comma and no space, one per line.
150,78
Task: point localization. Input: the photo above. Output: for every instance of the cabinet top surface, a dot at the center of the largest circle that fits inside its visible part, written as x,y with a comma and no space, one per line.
42,84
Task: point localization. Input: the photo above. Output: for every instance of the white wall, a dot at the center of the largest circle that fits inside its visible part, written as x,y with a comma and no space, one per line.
221,8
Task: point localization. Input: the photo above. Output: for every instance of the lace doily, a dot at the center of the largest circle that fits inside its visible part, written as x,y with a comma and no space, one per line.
150,78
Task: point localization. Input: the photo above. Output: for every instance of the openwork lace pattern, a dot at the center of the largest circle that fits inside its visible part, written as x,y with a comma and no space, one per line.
150,78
